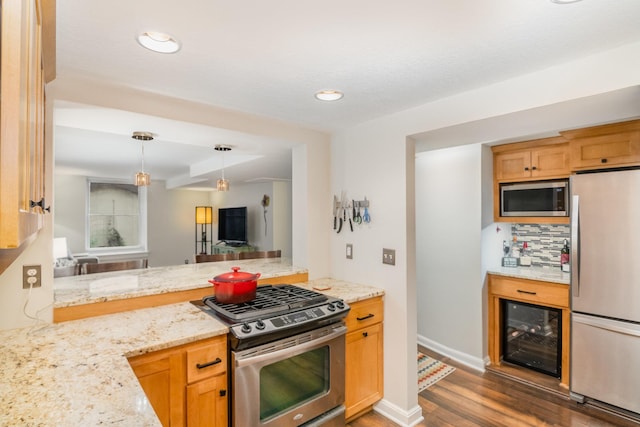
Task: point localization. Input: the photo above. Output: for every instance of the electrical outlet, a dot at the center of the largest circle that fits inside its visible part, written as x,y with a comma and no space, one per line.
389,256
31,276
349,251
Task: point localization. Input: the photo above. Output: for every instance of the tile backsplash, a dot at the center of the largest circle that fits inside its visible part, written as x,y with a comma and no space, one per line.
544,241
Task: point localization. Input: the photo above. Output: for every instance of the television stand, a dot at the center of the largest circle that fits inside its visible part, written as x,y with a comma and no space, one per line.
231,249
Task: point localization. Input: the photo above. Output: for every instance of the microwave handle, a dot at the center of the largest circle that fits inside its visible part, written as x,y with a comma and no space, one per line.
575,245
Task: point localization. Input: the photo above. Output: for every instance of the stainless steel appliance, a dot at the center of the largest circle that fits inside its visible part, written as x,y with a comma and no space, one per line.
544,198
287,357
605,288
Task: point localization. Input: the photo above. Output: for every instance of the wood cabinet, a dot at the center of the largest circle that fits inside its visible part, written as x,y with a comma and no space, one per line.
21,122
186,385
364,356
607,146
532,160
536,292
27,61
540,159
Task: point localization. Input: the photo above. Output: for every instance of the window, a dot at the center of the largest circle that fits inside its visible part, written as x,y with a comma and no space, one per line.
116,219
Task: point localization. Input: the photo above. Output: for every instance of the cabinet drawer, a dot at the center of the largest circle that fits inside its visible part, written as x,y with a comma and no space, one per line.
533,291
207,360
365,313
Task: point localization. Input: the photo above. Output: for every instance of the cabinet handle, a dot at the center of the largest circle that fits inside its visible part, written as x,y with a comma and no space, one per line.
39,204
223,393
365,334
206,365
603,160
526,292
534,168
526,168
368,316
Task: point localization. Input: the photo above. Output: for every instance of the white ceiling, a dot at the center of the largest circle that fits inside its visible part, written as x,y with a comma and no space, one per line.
269,58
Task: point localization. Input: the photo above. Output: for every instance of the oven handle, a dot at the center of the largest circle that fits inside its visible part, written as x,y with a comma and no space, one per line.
300,348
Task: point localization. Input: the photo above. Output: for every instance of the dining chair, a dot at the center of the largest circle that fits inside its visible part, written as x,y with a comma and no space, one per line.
216,257
260,254
101,267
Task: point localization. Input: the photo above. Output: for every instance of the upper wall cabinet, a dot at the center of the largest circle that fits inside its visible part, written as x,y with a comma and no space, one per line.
540,159
22,121
607,146
532,160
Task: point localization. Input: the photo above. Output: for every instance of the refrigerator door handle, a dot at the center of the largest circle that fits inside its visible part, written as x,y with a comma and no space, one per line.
607,325
575,245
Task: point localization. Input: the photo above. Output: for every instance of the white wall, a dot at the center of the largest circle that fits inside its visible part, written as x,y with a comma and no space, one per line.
371,159
282,213
171,231
448,234
262,237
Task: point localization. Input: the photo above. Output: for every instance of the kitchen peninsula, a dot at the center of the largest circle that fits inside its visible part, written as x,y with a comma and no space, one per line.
77,297
78,372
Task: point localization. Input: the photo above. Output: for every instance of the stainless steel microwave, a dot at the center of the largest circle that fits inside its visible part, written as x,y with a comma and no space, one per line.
541,198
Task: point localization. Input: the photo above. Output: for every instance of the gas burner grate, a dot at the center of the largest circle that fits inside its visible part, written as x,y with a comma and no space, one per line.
270,300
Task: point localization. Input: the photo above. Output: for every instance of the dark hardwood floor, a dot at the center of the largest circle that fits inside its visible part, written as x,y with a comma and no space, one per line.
467,398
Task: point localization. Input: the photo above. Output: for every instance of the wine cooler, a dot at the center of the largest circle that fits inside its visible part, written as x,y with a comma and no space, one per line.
532,336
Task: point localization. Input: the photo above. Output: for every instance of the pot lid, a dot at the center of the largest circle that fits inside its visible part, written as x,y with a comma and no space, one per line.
236,276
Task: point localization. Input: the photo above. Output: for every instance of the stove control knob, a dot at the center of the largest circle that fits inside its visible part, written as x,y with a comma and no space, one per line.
246,328
340,305
331,307
260,324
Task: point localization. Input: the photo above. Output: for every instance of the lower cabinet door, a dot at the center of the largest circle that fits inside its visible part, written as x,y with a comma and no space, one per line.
207,402
161,377
363,372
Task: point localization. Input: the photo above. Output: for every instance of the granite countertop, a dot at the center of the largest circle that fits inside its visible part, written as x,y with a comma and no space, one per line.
76,373
533,273
347,291
101,287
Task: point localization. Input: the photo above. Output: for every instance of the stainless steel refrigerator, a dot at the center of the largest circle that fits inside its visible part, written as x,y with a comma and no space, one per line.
605,288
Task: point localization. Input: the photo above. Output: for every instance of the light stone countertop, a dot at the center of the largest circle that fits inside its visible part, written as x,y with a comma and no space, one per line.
115,285
347,291
553,275
76,373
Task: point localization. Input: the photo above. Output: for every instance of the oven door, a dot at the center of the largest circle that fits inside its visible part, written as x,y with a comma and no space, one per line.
291,381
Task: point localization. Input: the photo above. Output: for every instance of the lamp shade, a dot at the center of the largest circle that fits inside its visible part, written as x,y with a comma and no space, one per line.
60,249
204,214
143,179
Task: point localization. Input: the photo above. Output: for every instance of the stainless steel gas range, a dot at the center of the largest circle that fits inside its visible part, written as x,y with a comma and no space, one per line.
287,357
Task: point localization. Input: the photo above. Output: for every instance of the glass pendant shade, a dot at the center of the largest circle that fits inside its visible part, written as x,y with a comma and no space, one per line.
222,184
143,179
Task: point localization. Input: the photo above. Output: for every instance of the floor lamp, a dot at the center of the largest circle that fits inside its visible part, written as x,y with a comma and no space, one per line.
204,218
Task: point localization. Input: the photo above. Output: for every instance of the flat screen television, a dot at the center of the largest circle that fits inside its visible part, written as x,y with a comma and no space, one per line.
232,225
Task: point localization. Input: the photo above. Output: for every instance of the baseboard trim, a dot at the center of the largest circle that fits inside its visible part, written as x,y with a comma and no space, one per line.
472,362
399,416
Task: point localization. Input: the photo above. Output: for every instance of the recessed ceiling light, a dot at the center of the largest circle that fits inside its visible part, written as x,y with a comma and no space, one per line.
564,1
329,95
158,42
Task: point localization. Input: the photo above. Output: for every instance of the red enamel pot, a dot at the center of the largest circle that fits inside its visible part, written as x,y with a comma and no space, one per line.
235,287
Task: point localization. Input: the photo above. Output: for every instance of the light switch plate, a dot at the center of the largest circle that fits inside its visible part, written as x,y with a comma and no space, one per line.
349,251
389,256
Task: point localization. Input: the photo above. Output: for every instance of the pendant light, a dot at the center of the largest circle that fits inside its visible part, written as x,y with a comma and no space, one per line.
222,184
142,179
